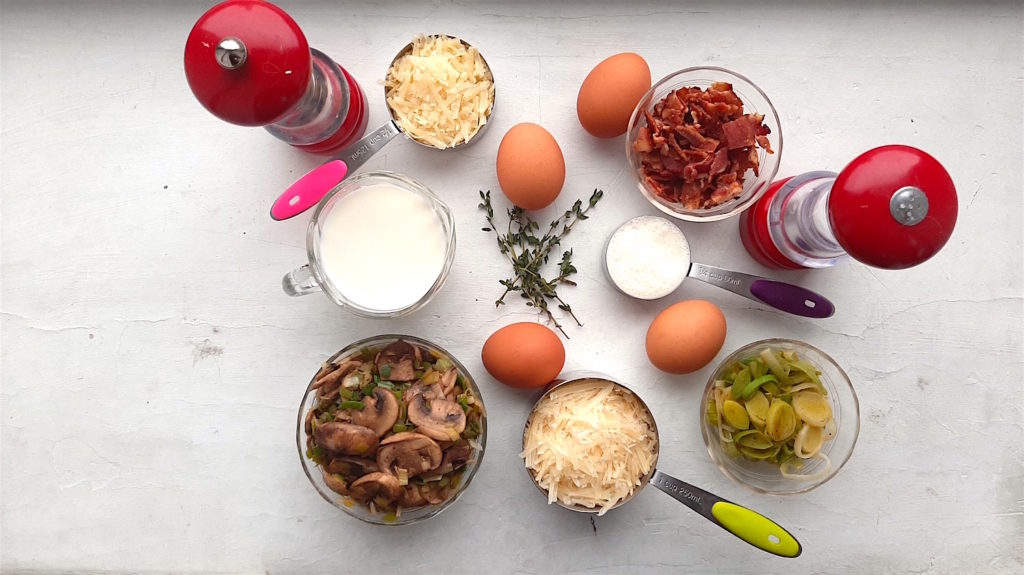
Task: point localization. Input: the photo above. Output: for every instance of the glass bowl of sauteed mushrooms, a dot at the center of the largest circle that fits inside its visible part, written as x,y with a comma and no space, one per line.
391,429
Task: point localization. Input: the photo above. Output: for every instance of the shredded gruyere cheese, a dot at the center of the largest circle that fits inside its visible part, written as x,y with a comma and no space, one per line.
590,443
441,92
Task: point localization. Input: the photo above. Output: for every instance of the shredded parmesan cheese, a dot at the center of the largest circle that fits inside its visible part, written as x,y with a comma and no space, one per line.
441,92
590,443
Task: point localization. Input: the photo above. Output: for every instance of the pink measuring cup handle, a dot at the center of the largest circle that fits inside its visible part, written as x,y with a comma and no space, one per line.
308,190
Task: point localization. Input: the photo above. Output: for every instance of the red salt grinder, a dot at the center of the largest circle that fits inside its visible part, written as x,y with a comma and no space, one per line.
892,207
248,63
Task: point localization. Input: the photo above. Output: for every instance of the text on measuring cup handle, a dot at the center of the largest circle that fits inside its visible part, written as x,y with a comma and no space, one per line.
663,481
710,274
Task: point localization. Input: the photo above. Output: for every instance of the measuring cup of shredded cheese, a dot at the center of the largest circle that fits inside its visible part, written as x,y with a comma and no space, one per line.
591,444
439,92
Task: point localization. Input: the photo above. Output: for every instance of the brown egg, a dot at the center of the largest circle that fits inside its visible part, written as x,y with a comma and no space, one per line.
686,336
523,354
531,169
611,92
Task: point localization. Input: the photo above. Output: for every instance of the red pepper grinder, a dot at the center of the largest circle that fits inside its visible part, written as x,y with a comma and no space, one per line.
892,207
248,63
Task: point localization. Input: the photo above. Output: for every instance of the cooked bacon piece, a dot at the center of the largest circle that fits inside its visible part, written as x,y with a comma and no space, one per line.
698,170
740,132
655,126
698,144
722,92
673,166
726,178
724,193
643,140
702,119
690,196
691,134
721,161
721,110
674,143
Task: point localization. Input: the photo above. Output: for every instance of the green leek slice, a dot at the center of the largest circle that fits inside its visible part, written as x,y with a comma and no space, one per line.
753,386
740,382
775,366
753,439
807,368
758,454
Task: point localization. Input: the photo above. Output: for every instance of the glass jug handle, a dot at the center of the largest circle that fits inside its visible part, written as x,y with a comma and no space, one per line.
300,281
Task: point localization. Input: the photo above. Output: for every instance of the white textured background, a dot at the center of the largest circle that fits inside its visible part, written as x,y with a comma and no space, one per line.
152,367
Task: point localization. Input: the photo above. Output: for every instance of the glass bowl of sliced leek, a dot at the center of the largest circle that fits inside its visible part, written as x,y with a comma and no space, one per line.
780,416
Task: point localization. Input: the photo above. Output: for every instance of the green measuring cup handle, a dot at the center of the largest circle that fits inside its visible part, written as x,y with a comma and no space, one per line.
748,525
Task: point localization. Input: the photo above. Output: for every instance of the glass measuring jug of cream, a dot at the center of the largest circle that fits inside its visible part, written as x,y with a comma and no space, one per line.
380,244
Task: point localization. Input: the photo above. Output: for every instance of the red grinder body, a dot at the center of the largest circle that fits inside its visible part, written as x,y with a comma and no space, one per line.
892,207
248,63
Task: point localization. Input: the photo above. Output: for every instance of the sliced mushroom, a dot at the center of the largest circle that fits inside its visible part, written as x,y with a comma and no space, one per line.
448,381
437,418
346,438
431,391
327,385
309,421
375,485
412,497
455,457
396,360
354,467
330,367
379,413
413,452
334,483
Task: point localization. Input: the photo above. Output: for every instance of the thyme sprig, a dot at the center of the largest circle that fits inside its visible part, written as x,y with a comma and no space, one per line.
528,254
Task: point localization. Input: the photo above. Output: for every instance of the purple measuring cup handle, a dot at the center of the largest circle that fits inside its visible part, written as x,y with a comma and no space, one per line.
780,295
791,298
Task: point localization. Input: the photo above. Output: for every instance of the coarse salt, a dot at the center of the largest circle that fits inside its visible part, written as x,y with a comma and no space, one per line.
647,257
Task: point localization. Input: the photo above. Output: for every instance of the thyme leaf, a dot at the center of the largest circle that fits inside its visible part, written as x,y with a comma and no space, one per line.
528,254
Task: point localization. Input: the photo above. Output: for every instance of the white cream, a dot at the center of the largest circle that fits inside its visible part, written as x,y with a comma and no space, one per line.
647,257
382,247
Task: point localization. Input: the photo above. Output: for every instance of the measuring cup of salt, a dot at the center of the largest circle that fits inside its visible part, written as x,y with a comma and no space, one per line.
648,258
380,244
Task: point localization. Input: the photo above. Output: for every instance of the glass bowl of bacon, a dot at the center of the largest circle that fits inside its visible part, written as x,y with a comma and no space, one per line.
704,144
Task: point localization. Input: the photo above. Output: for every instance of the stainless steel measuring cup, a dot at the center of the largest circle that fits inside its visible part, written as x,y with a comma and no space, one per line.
308,190
742,522
780,295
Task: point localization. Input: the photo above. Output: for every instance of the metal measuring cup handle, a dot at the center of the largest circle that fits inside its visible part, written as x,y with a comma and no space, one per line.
308,190
748,525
